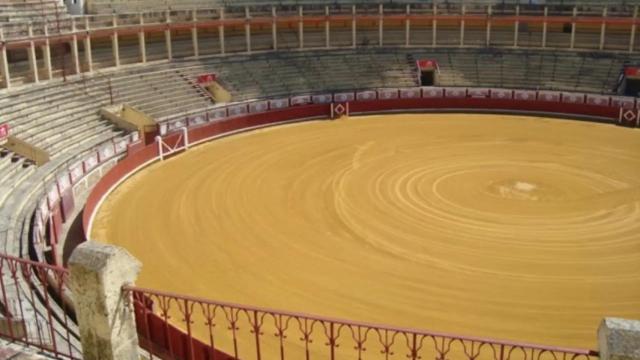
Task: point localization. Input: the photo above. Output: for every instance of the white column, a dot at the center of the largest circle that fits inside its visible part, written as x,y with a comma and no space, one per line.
516,27
167,36
353,26
221,31
603,28
573,28
434,25
327,28
33,63
632,37
4,62
114,42
88,58
380,24
464,10
142,41
46,53
274,28
106,321
194,34
300,28
488,39
407,28
247,28
74,47
544,28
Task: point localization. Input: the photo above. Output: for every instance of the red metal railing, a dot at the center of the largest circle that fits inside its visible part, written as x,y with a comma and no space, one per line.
184,327
34,307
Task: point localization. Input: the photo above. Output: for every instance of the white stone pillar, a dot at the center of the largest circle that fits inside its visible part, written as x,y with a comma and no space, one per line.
88,58
573,28
327,28
247,28
619,339
353,26
33,61
221,31
300,28
274,28
516,27
380,24
488,38
167,36
74,47
114,42
603,28
106,320
434,25
142,41
463,11
544,28
46,53
4,62
407,27
194,34
632,37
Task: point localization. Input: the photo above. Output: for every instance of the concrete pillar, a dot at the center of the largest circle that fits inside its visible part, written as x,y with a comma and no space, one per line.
544,28
167,36
274,28
353,26
573,28
434,25
33,63
488,41
380,24
88,58
114,41
603,28
74,47
327,28
407,28
300,28
46,53
619,339
221,31
142,41
632,37
194,34
516,27
463,11
4,62
106,320
247,28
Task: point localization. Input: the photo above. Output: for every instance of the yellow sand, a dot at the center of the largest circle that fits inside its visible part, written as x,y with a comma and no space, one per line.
499,226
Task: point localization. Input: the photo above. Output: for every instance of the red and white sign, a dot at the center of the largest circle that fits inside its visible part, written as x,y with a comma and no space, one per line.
427,64
632,71
4,131
206,78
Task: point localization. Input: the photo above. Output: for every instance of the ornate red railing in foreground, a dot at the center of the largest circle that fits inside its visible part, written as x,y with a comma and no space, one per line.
184,327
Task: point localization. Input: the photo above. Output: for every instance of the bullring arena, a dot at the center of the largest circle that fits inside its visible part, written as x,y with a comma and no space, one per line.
208,179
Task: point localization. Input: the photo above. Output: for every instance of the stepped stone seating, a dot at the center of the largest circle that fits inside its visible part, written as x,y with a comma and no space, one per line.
27,10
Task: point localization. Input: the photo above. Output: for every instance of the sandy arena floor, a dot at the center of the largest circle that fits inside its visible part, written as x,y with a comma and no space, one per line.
499,226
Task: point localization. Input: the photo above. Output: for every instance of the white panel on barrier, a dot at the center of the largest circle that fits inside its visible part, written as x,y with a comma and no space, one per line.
455,92
63,182
597,100
624,102
343,97
300,100
572,98
432,92
478,92
279,103
524,95
90,162
194,120
52,194
135,136
237,110
163,128
76,171
120,146
40,224
219,113
387,94
44,209
258,106
176,125
366,95
410,93
106,152
321,99
501,94
549,96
